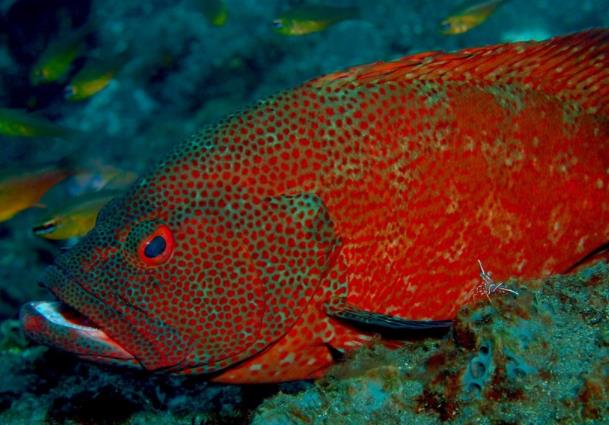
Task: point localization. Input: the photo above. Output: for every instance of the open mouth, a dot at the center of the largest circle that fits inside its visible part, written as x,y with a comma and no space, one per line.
56,324
107,330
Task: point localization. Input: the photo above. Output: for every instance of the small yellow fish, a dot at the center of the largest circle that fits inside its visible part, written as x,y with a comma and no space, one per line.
21,188
57,59
99,176
93,78
76,218
312,18
469,15
215,11
18,123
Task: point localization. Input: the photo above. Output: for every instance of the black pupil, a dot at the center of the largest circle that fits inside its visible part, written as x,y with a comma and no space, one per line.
155,247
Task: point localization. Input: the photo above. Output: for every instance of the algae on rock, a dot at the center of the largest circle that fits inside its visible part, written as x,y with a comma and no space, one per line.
541,357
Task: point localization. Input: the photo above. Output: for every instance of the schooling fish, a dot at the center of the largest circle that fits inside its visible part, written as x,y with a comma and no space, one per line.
57,59
22,187
312,18
359,202
97,175
469,15
76,218
93,78
18,123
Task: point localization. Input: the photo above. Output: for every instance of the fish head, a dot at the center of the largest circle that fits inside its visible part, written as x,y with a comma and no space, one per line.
453,25
281,26
47,70
298,27
186,271
104,284
72,92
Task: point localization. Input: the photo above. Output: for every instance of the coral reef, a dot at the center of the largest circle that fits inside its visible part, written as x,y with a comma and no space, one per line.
538,358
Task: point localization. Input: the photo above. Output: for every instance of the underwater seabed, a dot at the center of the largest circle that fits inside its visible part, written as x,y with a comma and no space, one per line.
541,357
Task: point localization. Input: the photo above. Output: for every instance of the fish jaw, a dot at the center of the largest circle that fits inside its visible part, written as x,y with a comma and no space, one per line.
55,324
96,337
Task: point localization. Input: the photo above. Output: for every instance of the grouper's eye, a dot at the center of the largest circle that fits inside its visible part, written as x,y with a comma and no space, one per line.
157,247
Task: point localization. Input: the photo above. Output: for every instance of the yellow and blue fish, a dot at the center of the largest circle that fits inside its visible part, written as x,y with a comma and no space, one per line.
312,18
94,77
22,187
469,15
18,123
55,63
75,218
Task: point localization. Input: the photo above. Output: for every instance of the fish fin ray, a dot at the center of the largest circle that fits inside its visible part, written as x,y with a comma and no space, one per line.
600,253
338,354
388,326
574,67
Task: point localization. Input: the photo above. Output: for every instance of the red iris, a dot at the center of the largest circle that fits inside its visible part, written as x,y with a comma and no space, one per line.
158,247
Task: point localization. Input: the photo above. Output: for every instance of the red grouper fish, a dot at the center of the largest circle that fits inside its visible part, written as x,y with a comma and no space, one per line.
263,246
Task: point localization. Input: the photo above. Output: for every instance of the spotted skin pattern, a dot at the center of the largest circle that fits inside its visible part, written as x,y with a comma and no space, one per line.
381,185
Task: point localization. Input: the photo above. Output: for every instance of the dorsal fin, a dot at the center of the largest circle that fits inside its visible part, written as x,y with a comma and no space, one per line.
573,67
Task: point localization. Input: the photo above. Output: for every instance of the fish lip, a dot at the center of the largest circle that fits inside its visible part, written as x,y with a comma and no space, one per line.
96,346
52,323
62,325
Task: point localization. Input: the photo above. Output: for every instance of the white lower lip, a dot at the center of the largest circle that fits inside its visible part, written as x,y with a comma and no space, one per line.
51,312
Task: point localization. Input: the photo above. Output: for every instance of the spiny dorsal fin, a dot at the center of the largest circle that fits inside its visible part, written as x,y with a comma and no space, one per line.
573,67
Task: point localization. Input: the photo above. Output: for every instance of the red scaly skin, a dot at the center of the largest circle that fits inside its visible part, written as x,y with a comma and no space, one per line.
382,184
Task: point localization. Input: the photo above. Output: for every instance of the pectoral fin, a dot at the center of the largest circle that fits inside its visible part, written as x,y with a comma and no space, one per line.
597,254
385,325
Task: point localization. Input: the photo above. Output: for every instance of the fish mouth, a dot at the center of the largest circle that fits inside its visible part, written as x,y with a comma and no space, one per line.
62,325
100,329
56,324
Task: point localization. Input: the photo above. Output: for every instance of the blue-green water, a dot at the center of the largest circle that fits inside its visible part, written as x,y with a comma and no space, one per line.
173,72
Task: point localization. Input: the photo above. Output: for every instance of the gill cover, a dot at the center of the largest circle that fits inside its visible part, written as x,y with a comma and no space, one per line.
280,250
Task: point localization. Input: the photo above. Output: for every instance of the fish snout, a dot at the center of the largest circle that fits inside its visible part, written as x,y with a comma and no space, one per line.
57,325
106,329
